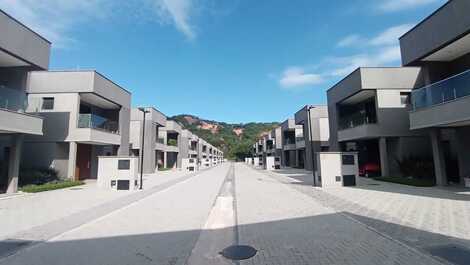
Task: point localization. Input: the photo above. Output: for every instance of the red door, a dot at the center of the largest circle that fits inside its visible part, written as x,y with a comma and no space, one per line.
83,169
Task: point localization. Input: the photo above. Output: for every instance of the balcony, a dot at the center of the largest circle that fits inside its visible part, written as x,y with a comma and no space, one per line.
12,117
12,99
93,121
442,103
441,92
300,142
355,120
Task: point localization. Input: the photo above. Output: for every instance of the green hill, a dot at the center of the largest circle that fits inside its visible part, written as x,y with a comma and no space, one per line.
235,140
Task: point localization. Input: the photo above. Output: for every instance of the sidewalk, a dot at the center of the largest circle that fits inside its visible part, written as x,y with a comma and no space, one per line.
288,227
24,211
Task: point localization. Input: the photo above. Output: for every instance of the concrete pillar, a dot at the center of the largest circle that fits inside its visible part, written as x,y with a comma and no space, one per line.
438,157
14,162
463,146
72,163
165,158
384,166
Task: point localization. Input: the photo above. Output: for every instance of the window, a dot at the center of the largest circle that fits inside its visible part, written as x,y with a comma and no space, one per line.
405,98
47,103
348,160
124,164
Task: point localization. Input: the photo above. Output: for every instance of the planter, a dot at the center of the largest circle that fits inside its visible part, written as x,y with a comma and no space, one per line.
467,182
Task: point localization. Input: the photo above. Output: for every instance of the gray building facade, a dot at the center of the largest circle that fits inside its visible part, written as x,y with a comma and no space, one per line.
440,45
21,50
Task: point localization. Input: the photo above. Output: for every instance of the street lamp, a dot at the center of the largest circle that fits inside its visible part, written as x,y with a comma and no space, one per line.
309,126
144,111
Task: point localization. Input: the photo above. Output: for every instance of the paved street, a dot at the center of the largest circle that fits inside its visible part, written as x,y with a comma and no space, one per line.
189,221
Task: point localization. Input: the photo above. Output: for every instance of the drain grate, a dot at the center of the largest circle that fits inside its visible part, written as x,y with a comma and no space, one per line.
453,253
239,252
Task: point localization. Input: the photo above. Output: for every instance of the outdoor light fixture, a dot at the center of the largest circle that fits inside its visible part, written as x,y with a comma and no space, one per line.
309,108
144,111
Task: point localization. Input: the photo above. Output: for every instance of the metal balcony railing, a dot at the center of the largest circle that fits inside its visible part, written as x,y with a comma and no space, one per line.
443,91
356,119
13,99
94,121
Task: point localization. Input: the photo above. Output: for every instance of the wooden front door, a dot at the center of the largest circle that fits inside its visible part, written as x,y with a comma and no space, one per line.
83,169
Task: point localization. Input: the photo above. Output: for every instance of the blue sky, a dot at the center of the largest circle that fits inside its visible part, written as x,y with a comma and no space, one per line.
227,60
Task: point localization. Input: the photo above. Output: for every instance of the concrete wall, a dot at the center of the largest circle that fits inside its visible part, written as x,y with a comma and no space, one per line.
444,114
23,43
442,27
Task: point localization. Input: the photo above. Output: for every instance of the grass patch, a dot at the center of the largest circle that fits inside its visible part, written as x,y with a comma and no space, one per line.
165,169
408,181
51,186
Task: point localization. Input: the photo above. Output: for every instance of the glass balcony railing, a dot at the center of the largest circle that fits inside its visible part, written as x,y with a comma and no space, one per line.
94,121
13,99
299,139
356,119
161,140
443,91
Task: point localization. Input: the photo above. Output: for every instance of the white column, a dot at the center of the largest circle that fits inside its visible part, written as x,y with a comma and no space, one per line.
14,162
72,163
438,157
384,157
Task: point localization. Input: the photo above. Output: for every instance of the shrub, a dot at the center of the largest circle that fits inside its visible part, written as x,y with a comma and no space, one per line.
37,176
55,185
416,167
172,142
408,181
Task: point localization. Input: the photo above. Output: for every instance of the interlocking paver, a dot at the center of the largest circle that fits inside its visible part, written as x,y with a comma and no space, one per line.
418,217
289,227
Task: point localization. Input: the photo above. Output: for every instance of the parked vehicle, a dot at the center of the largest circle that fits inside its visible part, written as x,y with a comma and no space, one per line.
369,170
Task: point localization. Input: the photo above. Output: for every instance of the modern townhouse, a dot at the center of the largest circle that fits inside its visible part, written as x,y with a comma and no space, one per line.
440,45
153,147
85,116
293,144
316,132
368,113
173,131
21,50
204,154
189,151
189,145
276,135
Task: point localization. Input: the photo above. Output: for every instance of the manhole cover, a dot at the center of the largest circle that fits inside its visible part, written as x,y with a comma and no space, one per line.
455,254
238,252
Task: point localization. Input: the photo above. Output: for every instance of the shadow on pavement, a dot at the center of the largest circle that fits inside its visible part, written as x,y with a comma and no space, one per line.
320,239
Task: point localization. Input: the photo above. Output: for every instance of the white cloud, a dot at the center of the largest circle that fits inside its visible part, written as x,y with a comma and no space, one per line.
387,37
398,5
341,66
54,19
294,77
390,35
179,12
350,40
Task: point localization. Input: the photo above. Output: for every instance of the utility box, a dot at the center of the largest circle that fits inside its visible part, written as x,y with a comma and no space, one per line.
118,172
272,163
277,162
189,164
255,161
336,169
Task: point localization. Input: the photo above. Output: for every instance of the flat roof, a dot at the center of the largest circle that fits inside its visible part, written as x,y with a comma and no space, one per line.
24,26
